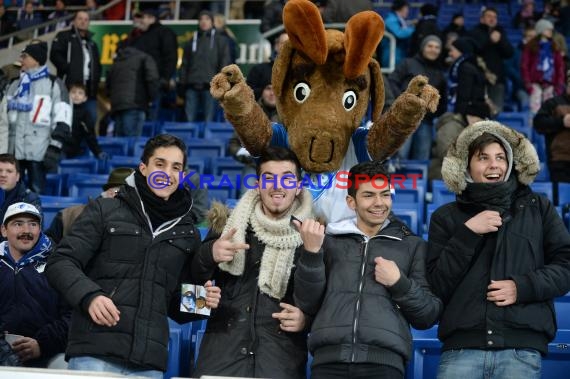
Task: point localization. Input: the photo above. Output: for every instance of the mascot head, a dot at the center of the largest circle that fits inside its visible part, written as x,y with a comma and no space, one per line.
324,80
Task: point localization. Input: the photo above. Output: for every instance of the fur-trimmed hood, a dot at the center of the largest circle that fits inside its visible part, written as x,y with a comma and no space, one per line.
525,159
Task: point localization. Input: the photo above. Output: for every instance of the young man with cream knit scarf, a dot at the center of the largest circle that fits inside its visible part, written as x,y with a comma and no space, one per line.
257,331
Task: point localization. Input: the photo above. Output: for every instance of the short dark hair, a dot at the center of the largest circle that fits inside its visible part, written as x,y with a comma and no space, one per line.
480,143
9,158
163,140
77,85
367,170
278,153
489,9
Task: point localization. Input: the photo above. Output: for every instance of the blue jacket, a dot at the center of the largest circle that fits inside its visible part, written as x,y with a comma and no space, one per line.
28,305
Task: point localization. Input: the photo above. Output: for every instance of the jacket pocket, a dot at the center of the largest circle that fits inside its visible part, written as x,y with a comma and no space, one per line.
125,242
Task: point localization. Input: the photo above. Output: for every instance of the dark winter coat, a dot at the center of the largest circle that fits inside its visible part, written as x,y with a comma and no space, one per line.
132,80
203,58
29,306
242,339
159,41
67,56
418,65
532,248
358,320
82,129
471,91
494,54
112,251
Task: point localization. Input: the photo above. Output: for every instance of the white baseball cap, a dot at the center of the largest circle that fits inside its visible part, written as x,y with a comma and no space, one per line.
21,208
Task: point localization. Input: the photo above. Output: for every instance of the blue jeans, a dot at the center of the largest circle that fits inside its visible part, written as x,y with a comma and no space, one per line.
101,365
129,123
199,99
490,364
418,145
91,108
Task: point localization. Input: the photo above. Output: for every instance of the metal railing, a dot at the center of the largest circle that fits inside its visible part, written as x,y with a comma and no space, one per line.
36,30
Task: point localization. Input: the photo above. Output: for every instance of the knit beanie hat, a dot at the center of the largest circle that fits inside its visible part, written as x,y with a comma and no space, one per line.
38,51
465,45
430,38
542,25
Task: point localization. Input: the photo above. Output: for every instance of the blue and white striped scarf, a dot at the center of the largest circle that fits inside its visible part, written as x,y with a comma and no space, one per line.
22,101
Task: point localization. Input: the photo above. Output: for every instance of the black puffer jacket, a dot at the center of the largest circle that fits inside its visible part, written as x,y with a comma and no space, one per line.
67,56
111,251
132,80
358,320
243,325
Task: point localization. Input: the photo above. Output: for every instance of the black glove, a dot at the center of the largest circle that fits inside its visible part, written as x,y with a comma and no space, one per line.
51,159
164,85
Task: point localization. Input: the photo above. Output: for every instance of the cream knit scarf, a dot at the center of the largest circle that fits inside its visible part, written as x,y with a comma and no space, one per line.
279,237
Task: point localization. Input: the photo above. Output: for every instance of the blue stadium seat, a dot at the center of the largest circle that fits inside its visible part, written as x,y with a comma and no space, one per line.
200,165
430,209
408,214
414,196
204,148
543,174
151,128
221,134
183,130
425,355
203,232
556,364
563,193
83,165
81,177
174,352
91,188
518,121
53,204
123,161
441,195
54,184
114,145
543,188
418,167
221,188
138,147
228,166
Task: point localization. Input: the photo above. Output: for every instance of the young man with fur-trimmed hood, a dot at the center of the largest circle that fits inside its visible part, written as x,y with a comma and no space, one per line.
257,331
497,256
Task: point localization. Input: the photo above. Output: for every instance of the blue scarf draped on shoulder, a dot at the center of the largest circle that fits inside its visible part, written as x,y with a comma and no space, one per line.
22,100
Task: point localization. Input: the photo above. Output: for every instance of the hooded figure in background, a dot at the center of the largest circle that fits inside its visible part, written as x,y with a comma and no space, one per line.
497,256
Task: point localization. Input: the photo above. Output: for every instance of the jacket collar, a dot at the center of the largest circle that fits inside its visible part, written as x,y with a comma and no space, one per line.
39,253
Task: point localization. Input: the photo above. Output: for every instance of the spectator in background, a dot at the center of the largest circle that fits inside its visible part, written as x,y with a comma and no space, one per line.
37,115
221,27
132,85
553,120
456,25
494,48
83,126
6,24
251,254
426,62
426,25
236,10
542,66
58,14
497,257
76,57
259,75
29,306
527,16
397,24
28,19
158,41
513,68
12,184
342,10
272,16
204,56
91,9
64,219
467,82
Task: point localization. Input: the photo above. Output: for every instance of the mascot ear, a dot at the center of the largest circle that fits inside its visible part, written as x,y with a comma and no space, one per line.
363,33
377,92
304,25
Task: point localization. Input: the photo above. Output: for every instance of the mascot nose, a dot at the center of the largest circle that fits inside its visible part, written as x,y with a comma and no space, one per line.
321,150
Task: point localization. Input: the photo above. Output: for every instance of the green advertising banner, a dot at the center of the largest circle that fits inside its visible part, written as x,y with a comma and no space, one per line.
109,33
